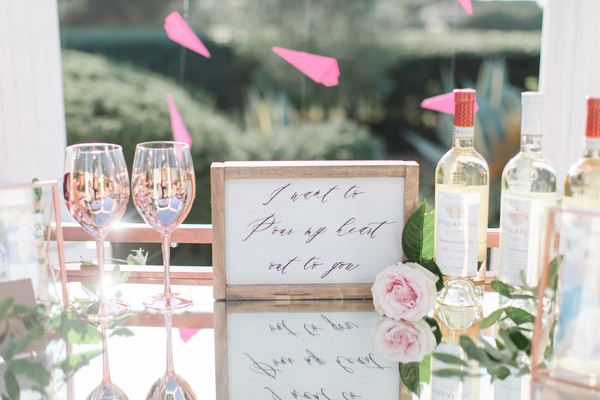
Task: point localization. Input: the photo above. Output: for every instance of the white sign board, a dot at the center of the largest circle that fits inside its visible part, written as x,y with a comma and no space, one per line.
311,228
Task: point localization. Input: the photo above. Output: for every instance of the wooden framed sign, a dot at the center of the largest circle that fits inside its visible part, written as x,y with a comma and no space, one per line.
319,349
308,229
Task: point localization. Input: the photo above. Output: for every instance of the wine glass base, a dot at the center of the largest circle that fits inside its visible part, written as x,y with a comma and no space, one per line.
110,310
160,303
107,391
171,387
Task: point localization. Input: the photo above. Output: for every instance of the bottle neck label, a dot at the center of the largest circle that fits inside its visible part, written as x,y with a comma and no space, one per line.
463,131
592,142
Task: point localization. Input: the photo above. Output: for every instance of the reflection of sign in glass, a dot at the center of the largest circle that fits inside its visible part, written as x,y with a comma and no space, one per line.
302,349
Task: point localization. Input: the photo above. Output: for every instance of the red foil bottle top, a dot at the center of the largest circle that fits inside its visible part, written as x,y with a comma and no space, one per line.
592,127
464,100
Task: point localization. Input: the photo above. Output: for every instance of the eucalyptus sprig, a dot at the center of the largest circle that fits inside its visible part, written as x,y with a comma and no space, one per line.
21,325
512,353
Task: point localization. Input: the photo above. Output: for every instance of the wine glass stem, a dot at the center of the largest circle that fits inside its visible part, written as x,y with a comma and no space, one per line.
170,370
100,251
105,365
166,247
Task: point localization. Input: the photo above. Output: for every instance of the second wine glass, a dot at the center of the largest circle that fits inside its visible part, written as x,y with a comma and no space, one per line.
164,187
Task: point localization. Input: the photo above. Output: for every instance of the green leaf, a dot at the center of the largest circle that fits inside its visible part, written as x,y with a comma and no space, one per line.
15,346
124,332
435,328
118,293
508,343
90,288
519,339
75,361
4,334
34,372
500,345
451,373
79,332
115,275
431,266
4,397
19,309
4,306
522,371
498,372
37,192
553,274
491,319
121,320
518,316
425,369
124,277
474,352
501,288
12,387
93,308
449,359
34,328
409,373
418,234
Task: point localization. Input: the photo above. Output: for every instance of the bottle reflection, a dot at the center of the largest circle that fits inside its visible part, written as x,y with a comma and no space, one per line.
513,388
170,386
455,322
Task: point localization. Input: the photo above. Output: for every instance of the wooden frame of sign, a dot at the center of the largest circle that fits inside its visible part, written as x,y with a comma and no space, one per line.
249,333
307,229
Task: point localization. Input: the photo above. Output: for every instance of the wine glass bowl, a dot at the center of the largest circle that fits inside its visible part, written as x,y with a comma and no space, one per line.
164,187
96,191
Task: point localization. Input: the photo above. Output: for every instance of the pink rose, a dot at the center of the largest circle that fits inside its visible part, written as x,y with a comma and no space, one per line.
404,291
403,341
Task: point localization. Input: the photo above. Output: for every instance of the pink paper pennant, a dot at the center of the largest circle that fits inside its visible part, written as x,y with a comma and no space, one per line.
320,69
180,132
466,4
180,32
443,103
186,334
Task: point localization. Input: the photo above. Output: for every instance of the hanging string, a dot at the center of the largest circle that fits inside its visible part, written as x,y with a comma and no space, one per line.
452,47
186,17
306,38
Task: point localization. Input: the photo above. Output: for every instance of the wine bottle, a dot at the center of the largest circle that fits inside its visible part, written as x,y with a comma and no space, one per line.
461,206
582,184
528,191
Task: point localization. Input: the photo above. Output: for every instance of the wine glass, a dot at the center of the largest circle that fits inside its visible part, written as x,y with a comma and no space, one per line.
170,386
96,190
163,189
106,390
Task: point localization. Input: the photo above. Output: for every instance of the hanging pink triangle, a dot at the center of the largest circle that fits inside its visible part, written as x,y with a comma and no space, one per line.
186,334
180,32
443,103
180,132
320,69
466,4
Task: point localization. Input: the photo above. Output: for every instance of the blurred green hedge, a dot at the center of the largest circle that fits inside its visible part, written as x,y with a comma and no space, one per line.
107,101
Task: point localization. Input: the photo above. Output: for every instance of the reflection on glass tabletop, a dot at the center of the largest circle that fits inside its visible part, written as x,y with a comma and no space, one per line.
276,350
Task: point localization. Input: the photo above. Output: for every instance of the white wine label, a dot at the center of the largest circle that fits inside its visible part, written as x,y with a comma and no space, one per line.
521,227
463,131
457,233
